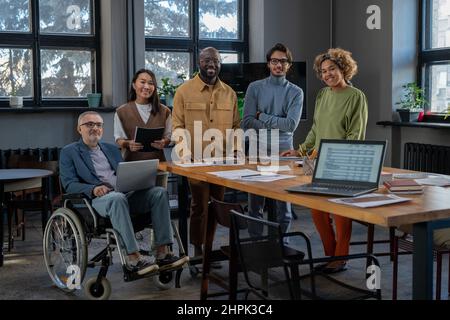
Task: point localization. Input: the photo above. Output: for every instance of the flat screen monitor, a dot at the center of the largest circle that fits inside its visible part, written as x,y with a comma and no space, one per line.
240,75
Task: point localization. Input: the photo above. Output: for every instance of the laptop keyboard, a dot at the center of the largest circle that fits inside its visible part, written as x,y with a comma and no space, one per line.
333,187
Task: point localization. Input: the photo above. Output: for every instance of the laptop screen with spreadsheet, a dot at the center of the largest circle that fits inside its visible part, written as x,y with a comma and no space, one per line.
349,161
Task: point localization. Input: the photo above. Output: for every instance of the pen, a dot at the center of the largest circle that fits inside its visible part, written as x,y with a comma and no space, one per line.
251,175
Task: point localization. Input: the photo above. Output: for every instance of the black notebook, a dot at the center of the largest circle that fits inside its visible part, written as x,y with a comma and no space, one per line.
147,137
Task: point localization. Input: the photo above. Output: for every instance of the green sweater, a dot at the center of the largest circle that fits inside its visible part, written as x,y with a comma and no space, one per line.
338,115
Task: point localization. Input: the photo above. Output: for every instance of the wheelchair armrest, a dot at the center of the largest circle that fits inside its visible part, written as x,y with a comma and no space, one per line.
74,196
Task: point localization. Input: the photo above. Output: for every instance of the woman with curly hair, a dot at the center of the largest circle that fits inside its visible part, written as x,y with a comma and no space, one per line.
340,113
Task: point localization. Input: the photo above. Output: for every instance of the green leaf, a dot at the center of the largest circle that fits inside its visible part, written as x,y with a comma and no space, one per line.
413,97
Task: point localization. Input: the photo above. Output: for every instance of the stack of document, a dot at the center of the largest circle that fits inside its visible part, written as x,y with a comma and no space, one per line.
403,186
370,200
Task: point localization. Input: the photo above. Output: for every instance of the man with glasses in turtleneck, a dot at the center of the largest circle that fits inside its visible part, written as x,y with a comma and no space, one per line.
273,103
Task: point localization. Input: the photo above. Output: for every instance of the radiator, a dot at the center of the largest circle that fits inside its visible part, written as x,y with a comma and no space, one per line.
427,158
43,154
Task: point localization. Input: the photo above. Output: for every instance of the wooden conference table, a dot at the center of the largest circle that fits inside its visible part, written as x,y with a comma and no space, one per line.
8,177
424,211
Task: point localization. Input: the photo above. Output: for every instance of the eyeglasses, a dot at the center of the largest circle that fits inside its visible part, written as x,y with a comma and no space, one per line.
209,60
92,125
275,61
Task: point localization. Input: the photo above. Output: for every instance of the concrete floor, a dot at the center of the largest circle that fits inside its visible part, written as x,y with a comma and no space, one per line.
24,276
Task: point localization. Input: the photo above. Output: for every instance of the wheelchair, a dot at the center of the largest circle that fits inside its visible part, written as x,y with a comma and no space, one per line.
67,236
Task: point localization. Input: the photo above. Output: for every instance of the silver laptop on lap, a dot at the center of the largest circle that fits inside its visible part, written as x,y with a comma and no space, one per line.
346,168
136,175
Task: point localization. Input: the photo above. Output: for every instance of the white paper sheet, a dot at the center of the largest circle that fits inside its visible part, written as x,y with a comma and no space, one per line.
273,168
441,181
234,174
267,177
194,164
250,175
413,175
370,200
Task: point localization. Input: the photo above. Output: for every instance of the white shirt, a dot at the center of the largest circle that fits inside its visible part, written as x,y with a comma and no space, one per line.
145,113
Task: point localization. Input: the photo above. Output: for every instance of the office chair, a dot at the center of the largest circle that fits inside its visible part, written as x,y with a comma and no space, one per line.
266,258
33,196
219,213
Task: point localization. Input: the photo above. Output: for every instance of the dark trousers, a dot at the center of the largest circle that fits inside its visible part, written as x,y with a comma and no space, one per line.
201,193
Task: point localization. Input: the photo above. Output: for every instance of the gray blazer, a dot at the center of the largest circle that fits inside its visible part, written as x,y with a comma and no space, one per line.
77,171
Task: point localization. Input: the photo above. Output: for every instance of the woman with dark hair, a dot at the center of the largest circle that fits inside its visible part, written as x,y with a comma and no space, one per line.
142,110
341,113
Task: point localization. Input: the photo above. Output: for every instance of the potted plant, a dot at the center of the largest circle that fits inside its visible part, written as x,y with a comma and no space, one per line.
94,99
168,88
412,103
15,101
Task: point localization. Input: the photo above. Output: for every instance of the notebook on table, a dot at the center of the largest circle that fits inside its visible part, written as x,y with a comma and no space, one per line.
403,185
136,175
346,168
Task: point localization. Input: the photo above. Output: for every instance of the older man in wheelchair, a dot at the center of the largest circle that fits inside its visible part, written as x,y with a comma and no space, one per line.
88,169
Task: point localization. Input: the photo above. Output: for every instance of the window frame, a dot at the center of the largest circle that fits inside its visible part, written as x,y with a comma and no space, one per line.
428,57
193,44
36,41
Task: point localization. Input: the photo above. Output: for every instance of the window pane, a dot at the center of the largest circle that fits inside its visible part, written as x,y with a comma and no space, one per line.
229,57
69,17
440,24
167,18
66,73
16,75
168,65
439,87
218,19
14,16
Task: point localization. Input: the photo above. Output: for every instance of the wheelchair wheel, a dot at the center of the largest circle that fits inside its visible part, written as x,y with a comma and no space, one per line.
163,281
97,291
65,250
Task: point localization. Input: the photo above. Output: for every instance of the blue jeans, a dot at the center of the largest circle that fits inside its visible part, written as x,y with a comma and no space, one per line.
256,209
117,207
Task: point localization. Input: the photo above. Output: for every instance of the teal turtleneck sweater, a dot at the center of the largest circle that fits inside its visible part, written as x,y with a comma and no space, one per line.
280,103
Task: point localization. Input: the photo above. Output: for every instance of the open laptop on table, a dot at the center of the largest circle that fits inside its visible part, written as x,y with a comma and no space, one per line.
346,168
136,175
